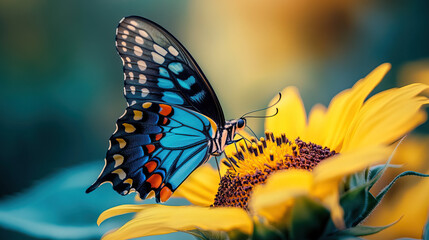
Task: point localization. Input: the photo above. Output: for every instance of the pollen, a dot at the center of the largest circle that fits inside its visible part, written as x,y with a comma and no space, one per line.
254,160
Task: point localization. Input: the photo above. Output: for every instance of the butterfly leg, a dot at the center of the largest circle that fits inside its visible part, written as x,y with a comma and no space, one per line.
218,168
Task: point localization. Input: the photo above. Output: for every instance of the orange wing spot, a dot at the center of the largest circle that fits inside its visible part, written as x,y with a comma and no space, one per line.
164,121
150,148
165,109
158,136
151,166
165,194
155,181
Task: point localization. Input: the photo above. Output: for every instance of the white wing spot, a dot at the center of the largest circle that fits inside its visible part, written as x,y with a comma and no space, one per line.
143,33
125,76
133,102
141,64
121,173
124,36
145,92
133,90
138,51
142,79
134,23
126,32
125,91
128,59
131,75
159,49
157,58
119,159
124,49
123,61
123,43
139,40
132,28
129,65
173,51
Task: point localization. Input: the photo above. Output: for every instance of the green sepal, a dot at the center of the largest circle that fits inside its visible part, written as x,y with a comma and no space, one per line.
374,202
306,219
351,233
406,173
266,231
375,170
355,180
208,235
354,203
378,171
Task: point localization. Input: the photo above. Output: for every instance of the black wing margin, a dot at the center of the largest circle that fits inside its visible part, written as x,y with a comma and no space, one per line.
158,68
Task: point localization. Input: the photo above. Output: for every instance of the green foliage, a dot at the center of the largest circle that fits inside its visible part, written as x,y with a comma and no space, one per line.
265,231
208,235
307,219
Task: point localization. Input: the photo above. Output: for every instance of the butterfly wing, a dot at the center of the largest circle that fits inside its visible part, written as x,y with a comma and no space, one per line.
172,114
158,68
155,147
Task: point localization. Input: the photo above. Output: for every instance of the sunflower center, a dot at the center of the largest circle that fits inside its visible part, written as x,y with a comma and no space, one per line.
253,162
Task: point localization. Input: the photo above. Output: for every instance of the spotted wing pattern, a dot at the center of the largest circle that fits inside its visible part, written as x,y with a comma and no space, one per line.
158,68
155,147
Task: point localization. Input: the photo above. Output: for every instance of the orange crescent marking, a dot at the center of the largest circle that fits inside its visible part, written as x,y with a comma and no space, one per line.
155,181
164,121
150,148
151,166
158,136
165,194
165,109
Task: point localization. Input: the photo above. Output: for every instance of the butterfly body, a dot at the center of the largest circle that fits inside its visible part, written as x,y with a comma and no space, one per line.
173,122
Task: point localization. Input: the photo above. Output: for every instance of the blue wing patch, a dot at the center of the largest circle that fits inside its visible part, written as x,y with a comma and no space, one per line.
155,147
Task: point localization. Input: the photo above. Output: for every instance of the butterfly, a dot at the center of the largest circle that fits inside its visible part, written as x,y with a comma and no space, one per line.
173,123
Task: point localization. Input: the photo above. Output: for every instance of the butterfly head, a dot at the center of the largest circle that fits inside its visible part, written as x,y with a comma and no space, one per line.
240,124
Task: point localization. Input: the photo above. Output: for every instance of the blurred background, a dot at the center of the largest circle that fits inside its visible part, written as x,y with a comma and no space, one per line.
61,84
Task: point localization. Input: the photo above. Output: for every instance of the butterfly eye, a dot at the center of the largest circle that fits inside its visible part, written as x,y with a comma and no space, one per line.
240,123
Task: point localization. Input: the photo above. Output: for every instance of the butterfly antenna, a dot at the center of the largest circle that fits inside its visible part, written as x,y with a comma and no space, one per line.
265,108
272,115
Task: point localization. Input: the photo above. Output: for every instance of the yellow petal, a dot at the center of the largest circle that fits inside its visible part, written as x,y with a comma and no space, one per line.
160,219
344,107
200,187
387,116
332,201
119,210
291,118
273,198
338,166
314,131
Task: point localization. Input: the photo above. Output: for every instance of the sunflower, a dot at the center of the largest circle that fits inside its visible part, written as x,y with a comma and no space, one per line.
306,178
